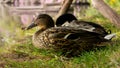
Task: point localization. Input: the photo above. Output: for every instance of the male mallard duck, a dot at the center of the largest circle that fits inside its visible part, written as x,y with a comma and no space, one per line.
70,18
65,38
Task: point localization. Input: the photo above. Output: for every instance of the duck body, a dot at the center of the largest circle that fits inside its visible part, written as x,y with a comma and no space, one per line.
68,39
60,36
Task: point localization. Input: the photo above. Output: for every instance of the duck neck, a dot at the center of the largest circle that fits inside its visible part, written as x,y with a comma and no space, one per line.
38,32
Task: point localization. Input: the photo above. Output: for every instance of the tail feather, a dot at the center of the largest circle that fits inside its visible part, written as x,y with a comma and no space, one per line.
110,36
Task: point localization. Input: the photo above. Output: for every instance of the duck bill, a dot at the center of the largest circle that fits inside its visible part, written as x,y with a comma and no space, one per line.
31,26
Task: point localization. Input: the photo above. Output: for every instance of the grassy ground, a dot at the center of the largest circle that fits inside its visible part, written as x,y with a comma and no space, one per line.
22,54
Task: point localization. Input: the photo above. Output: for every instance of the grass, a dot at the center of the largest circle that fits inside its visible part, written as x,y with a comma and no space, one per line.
27,56
19,52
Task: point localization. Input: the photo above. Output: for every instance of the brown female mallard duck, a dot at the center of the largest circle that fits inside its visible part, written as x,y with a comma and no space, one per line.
70,40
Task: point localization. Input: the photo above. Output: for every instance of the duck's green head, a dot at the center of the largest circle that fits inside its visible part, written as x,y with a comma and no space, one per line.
44,21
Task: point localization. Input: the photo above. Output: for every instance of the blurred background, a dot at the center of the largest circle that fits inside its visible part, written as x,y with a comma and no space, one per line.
15,14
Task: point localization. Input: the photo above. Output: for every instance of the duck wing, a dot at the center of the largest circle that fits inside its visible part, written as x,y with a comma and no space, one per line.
89,26
65,34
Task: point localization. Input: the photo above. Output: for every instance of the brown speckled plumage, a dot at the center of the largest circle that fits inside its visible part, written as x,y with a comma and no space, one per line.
54,38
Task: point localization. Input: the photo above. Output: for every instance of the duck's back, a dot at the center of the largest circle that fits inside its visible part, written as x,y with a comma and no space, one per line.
90,26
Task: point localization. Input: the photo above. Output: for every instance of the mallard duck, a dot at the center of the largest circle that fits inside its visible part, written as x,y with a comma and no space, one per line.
67,39
70,18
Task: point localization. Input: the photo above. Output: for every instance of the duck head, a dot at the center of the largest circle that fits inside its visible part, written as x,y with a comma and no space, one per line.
44,21
65,18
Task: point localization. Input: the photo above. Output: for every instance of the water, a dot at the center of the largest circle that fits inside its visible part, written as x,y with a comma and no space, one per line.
24,11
